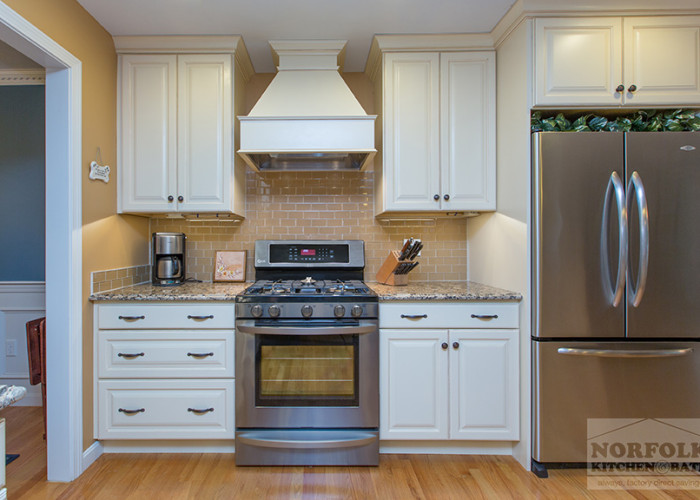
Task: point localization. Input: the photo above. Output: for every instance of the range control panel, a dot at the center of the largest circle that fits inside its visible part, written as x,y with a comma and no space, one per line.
308,253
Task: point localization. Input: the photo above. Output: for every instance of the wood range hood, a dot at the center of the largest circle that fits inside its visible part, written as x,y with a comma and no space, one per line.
307,118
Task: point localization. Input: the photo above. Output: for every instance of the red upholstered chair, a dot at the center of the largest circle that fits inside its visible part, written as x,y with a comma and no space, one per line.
36,352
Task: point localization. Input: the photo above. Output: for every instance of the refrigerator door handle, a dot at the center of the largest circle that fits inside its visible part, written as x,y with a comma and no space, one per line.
615,293
636,184
625,353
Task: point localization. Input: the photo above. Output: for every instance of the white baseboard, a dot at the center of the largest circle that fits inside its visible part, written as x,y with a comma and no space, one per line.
163,446
447,447
91,454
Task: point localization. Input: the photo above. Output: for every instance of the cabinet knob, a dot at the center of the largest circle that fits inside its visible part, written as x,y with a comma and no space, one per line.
171,198
436,197
632,88
446,197
455,345
444,346
620,88
180,199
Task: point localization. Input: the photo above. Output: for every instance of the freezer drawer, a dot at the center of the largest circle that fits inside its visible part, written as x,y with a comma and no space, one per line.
575,381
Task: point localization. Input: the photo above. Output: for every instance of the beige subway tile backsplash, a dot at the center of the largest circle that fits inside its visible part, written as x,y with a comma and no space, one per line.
321,205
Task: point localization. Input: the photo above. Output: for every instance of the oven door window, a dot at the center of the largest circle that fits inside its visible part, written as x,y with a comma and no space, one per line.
306,370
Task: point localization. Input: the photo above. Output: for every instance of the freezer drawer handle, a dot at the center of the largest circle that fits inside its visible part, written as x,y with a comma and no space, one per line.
614,185
485,316
414,316
252,439
624,353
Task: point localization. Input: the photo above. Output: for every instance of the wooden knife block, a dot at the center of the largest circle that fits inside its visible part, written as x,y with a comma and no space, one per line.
386,275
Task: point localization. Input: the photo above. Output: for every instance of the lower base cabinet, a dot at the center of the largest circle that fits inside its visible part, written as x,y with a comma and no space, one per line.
448,383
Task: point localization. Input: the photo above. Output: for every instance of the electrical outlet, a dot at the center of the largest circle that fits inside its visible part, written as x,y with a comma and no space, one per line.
11,347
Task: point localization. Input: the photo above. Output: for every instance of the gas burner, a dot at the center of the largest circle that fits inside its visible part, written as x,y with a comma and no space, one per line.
308,285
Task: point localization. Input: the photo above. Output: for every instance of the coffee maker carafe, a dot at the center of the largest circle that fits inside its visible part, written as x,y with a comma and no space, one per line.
168,258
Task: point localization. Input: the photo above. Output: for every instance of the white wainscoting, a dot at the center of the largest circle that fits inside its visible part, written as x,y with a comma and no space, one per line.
20,301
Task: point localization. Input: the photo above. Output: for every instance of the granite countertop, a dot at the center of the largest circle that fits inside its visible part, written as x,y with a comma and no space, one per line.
190,291
443,290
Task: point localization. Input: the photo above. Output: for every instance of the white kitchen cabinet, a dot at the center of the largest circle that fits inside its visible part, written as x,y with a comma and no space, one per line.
413,385
612,61
438,132
164,371
452,383
177,134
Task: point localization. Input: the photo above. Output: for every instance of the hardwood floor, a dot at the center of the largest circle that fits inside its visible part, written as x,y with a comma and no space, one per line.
213,476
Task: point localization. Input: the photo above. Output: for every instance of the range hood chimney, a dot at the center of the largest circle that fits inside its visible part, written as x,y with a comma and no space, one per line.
307,119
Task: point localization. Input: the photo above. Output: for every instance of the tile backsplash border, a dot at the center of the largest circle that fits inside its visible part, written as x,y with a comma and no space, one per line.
112,279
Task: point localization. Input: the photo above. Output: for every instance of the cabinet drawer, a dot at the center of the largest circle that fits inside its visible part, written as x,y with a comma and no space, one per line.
169,354
452,315
165,409
145,316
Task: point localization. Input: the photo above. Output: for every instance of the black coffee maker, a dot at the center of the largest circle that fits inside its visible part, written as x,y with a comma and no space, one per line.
168,258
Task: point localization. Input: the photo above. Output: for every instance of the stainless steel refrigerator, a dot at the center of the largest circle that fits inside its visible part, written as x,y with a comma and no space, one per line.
616,283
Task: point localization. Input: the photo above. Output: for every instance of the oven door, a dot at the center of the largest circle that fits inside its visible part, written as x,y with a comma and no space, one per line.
313,374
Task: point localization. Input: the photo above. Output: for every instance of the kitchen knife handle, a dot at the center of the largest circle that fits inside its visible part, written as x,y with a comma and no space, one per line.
414,316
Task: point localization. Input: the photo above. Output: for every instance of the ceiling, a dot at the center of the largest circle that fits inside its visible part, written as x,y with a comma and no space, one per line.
259,21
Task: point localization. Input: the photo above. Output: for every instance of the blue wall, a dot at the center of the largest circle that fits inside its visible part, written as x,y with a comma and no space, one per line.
22,183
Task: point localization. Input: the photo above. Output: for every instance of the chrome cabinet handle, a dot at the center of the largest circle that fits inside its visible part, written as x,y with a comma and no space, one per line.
616,292
623,353
637,292
414,316
131,355
199,411
485,316
132,412
211,316
131,318
200,354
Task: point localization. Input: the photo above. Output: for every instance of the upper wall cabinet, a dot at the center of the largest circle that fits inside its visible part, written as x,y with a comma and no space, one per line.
436,132
612,61
177,134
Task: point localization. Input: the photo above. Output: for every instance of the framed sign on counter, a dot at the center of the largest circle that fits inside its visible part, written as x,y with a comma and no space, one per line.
229,266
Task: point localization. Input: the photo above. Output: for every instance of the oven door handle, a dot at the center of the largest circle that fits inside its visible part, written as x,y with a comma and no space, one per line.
252,439
310,330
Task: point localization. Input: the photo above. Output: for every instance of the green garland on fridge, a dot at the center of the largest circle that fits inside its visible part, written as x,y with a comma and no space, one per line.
639,121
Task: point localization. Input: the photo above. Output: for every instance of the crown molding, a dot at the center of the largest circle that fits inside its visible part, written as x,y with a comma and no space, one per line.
22,77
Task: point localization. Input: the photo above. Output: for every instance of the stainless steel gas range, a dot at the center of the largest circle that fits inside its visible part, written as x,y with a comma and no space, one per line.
307,357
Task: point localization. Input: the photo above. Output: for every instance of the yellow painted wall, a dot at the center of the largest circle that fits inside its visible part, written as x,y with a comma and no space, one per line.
109,240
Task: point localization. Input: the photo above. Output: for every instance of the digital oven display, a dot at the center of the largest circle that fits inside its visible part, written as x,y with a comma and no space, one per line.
309,254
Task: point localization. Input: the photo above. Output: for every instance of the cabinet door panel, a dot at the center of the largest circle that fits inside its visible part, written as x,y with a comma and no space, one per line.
411,132
204,133
578,61
148,133
662,58
413,384
484,402
468,130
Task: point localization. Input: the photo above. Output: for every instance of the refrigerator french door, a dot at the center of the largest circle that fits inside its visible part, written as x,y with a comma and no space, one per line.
616,283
